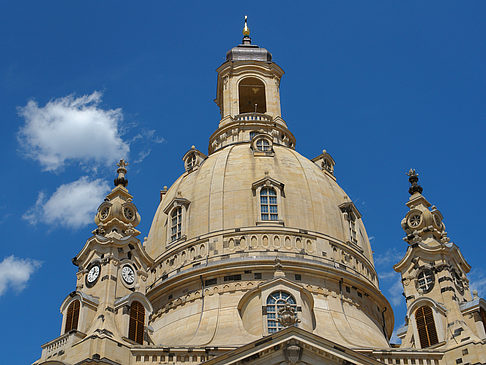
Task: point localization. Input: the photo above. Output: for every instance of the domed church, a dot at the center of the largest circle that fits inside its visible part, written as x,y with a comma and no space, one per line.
257,256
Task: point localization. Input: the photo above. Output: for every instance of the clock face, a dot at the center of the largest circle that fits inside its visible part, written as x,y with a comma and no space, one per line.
93,275
128,274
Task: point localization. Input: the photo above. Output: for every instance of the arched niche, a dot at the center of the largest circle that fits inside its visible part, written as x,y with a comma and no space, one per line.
251,92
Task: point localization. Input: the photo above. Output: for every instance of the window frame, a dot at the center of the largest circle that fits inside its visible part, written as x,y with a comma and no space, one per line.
137,320
427,286
272,315
239,89
278,187
427,332
175,220
263,138
176,203
439,315
270,195
72,316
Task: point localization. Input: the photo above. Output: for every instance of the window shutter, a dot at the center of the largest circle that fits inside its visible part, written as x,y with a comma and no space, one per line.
137,321
426,326
72,316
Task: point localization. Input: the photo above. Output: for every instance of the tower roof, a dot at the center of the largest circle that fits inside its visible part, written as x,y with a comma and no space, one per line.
247,51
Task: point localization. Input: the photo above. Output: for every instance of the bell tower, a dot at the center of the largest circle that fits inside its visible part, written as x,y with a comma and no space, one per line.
441,313
108,312
248,96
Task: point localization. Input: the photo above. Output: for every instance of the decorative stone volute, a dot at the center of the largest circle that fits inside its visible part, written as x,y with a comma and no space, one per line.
117,216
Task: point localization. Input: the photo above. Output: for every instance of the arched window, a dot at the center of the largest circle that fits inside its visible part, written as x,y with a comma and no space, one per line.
268,204
136,326
275,303
72,316
426,326
252,96
176,224
263,145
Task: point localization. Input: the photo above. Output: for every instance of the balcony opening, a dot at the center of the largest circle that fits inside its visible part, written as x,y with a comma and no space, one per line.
252,96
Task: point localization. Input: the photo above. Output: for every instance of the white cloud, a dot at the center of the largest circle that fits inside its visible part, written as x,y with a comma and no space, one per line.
477,281
72,205
390,257
394,286
394,338
16,272
72,129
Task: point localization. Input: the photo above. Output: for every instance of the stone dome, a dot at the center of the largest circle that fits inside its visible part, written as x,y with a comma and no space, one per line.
254,222
221,197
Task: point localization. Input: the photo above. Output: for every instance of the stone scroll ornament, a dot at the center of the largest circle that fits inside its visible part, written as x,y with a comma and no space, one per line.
287,316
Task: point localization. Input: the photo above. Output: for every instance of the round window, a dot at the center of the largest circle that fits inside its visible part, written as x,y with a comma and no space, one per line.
104,212
128,213
263,145
415,220
425,281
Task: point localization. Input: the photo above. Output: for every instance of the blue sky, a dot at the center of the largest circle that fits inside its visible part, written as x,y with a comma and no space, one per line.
383,86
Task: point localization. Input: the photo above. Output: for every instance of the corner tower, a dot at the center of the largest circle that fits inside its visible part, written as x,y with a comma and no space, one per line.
108,312
441,313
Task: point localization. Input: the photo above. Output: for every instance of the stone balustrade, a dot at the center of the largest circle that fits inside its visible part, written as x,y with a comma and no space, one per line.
59,344
253,117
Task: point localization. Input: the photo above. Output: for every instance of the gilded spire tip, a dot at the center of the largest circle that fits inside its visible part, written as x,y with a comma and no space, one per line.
246,30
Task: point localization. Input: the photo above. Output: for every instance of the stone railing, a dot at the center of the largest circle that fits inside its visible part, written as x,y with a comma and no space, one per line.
174,356
398,356
253,116
58,345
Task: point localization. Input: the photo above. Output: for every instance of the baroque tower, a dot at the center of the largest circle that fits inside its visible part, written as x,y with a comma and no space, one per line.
256,255
441,313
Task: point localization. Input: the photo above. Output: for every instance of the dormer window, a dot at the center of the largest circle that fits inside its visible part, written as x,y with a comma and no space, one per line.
325,162
176,224
193,158
263,145
268,195
176,212
351,215
252,96
191,161
268,204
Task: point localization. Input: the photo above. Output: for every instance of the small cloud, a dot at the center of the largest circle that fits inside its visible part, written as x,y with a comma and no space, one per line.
142,155
372,238
390,257
477,281
72,205
394,286
145,138
394,338
16,272
70,129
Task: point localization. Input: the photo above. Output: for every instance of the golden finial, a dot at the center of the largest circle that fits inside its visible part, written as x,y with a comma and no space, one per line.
246,30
